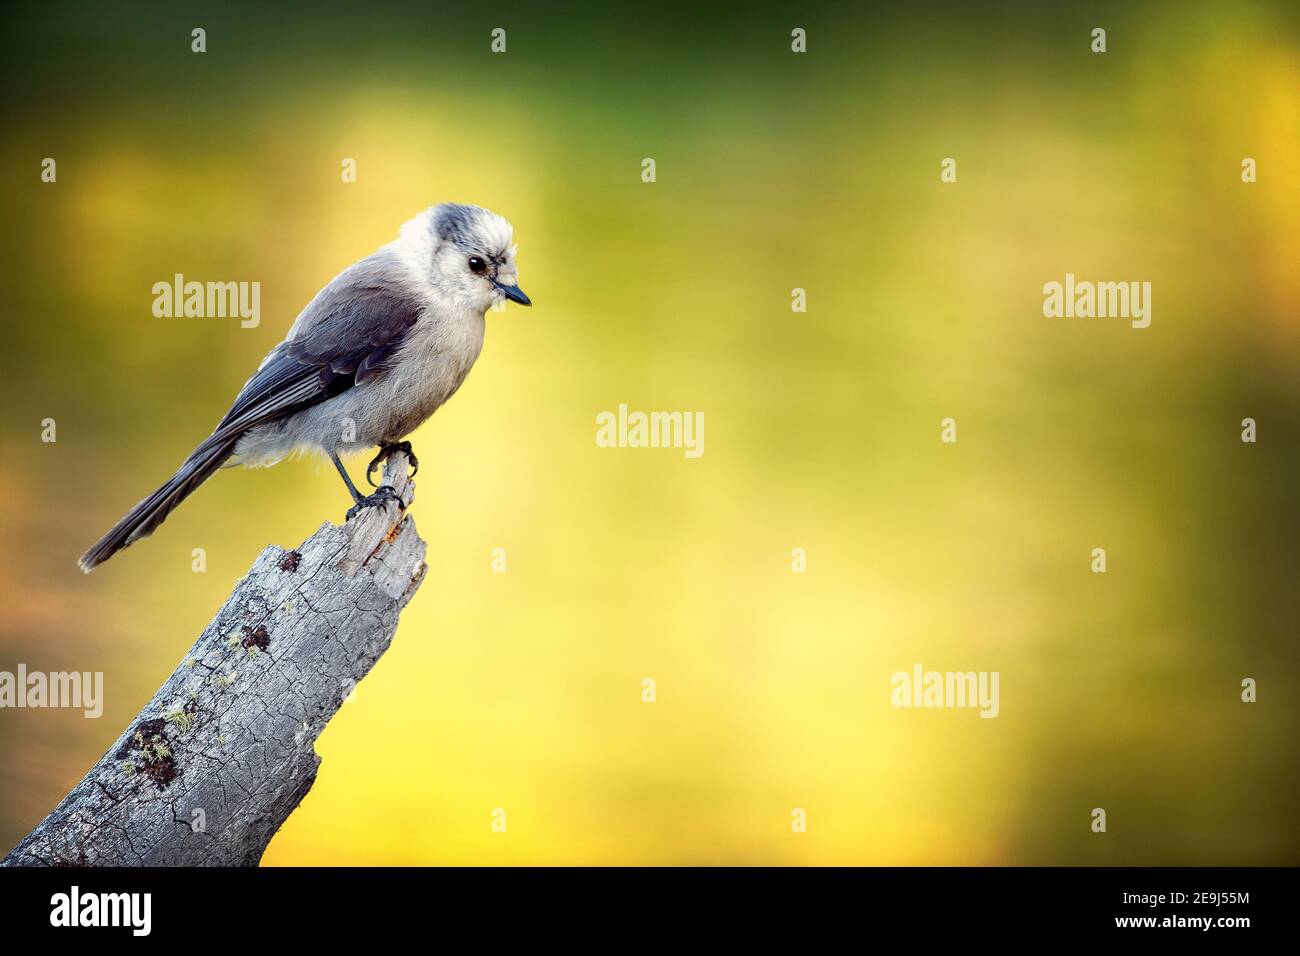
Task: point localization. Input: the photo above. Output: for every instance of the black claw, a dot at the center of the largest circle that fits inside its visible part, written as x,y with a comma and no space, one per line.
383,495
385,450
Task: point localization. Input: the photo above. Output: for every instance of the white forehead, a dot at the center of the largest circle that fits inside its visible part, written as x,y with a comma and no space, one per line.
472,230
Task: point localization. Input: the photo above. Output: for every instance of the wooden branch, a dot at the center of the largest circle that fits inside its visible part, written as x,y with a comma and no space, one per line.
224,752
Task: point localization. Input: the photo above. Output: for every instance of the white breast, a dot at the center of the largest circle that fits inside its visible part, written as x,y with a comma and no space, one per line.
427,370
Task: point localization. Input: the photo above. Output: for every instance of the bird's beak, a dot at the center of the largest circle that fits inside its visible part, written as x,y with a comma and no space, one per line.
513,293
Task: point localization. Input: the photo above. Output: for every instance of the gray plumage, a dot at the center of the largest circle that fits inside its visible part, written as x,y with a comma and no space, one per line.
372,356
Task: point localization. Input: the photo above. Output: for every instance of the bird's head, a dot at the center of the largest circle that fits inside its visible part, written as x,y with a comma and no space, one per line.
468,254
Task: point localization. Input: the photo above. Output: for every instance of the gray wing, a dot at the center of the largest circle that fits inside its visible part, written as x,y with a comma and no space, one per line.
346,335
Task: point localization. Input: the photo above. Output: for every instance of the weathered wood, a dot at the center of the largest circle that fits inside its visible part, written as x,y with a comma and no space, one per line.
224,752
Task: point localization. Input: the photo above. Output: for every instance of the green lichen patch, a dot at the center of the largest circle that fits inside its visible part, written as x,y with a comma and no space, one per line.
147,752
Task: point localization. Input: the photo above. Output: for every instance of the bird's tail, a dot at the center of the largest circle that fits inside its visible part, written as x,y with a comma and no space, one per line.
141,520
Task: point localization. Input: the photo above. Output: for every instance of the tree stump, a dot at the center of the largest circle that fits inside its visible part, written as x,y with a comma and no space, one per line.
224,751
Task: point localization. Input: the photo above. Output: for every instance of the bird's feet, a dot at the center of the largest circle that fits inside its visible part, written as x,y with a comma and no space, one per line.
385,450
383,495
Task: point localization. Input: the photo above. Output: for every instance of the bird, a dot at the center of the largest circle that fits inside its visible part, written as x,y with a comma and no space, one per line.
376,352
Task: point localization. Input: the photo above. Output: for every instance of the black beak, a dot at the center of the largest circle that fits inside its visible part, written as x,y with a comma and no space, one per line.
513,293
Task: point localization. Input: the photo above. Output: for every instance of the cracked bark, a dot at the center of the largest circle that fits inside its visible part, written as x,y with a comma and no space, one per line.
224,751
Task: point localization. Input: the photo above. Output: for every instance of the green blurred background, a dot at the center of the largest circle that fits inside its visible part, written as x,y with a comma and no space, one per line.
820,171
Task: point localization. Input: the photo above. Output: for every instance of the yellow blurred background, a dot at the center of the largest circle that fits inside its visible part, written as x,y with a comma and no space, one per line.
523,690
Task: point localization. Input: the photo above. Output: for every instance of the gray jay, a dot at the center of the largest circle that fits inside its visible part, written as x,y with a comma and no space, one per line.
373,355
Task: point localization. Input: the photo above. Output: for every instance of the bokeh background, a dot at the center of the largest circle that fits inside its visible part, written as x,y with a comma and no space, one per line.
820,171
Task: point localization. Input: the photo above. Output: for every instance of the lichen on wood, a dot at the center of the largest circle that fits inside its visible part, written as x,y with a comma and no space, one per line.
224,751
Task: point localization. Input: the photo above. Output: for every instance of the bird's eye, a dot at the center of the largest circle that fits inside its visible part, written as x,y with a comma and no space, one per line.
477,265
